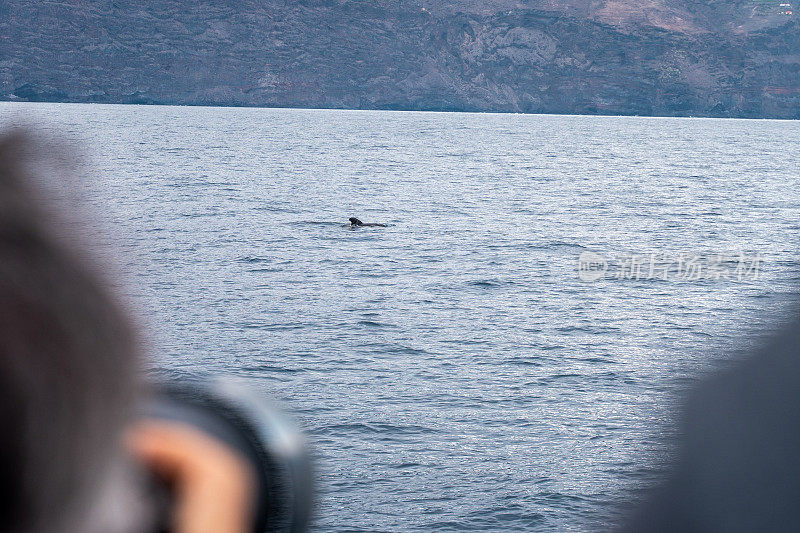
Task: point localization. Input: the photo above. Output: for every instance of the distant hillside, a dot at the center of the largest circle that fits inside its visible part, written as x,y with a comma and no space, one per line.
653,57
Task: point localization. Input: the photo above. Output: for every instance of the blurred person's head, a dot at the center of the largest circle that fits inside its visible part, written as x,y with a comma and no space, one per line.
79,450
67,366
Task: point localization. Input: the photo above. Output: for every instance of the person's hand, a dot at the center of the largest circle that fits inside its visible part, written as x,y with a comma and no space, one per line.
214,486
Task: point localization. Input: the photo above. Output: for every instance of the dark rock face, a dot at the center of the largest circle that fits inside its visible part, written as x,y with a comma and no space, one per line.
659,57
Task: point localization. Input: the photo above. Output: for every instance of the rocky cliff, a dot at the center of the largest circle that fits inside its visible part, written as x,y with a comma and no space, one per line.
655,57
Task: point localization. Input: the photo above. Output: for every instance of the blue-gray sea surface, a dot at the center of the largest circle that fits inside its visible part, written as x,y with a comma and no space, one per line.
452,370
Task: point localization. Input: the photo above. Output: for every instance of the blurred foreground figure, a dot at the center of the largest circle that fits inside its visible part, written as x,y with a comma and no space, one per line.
738,467
84,446
67,371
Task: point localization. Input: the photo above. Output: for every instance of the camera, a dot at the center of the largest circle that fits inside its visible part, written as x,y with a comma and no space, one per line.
235,416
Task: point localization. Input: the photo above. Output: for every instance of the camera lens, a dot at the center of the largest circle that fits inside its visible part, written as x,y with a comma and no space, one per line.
240,419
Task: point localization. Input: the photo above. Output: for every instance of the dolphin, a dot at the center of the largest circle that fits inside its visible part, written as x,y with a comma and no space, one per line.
354,222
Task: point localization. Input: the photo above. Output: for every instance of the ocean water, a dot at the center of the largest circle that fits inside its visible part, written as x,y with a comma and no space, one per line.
457,370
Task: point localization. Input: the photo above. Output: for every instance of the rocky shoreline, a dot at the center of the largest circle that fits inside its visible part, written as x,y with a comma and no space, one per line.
404,55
